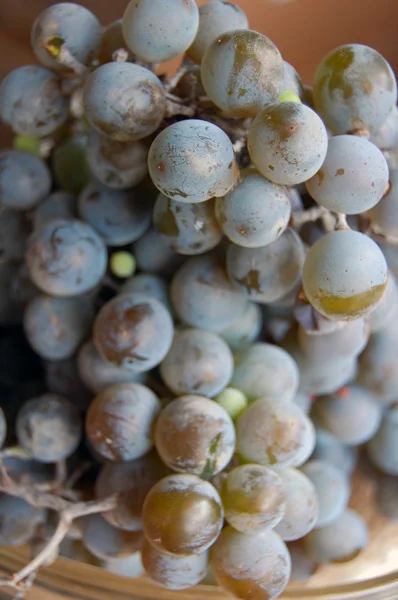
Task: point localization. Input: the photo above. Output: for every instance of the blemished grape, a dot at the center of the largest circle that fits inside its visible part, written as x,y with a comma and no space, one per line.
344,275
302,507
352,415
18,521
157,31
118,216
70,165
152,286
354,88
31,101
49,428
66,26
3,428
195,435
55,327
131,480
173,572
62,378
13,233
383,447
287,143
119,165
250,565
384,216
58,205
253,498
199,362
329,449
244,330
274,432
182,515
25,180
133,332
340,541
192,161
242,72
137,109
66,258
186,228
119,421
352,178
292,81
332,489
386,311
202,295
215,18
153,255
268,273
105,541
255,213
264,370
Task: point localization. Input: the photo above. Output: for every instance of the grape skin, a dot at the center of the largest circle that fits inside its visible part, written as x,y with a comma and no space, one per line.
198,362
332,489
134,112
69,164
287,143
153,254
347,341
245,329
352,178
152,286
386,311
25,180
384,216
195,435
386,136
383,447
18,521
31,101
192,160
107,542
62,378
58,205
292,81
242,72
328,448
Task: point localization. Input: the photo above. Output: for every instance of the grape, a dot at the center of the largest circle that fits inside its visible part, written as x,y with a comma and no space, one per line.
267,274
119,165
255,213
182,515
383,447
202,295
352,415
56,326
129,566
354,88
244,330
253,498
25,180
303,566
242,72
105,541
13,234
131,480
346,341
292,81
62,378
386,136
152,286
295,198
120,217
49,428
173,572
199,362
66,26
133,332
340,541
384,216
186,228
3,428
157,31
112,40
134,112
287,143
70,165
344,275
66,258
119,421
215,18
195,435
386,311
255,565
328,448
233,401
332,489
18,521
302,507
58,205
274,432
265,370
31,101
353,177
192,161
153,255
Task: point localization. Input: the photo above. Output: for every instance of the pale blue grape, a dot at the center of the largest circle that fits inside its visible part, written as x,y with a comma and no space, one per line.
149,285
242,72
106,542
352,178
304,401
255,213
383,447
159,30
291,80
346,341
18,521
385,312
25,180
287,143
385,137
377,371
245,329
134,112
153,255
58,205
384,216
192,161
332,489
328,448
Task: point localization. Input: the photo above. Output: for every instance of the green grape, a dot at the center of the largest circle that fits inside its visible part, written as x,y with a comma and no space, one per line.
70,166
233,401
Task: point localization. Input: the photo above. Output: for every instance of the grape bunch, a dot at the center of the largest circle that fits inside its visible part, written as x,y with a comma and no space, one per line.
199,299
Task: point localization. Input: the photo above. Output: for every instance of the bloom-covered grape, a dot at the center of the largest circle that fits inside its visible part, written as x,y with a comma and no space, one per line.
25,180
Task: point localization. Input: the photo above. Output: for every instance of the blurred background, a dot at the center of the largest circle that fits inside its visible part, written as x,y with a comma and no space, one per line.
303,30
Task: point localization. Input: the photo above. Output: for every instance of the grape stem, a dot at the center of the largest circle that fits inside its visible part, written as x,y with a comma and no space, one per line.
66,59
300,217
341,222
173,81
